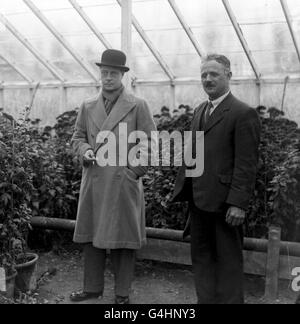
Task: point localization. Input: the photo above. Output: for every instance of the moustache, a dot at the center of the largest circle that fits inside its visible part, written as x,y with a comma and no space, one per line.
209,84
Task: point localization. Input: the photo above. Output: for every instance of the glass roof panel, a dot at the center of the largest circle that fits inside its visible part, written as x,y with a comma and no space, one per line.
7,73
42,39
262,22
144,64
266,31
212,28
13,50
294,7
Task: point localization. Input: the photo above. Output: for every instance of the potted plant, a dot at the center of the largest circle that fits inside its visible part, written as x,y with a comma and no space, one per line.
26,266
16,188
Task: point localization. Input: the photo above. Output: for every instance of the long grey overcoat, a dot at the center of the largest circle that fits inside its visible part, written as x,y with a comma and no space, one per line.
111,210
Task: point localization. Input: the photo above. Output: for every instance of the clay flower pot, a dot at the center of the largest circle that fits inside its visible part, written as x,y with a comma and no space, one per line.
26,267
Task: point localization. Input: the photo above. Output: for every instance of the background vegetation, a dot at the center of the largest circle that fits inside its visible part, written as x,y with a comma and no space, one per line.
47,176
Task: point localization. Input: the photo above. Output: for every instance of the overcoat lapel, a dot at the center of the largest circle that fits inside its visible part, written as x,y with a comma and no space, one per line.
97,114
123,106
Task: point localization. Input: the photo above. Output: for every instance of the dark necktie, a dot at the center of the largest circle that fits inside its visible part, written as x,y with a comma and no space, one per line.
108,106
208,112
206,115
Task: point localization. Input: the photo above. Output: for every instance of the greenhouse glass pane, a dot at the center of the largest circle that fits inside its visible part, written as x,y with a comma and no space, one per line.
182,60
166,33
15,7
294,7
52,5
106,15
154,14
215,33
274,52
144,11
42,39
7,73
77,34
13,50
144,64
168,36
266,31
257,11
107,18
262,22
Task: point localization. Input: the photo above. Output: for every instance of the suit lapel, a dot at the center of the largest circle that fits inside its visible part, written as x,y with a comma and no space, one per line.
197,119
219,113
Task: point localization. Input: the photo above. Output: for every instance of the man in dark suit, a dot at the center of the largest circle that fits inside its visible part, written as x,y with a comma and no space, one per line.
219,198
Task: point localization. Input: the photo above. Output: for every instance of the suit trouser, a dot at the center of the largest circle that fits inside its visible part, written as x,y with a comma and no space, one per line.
123,262
217,256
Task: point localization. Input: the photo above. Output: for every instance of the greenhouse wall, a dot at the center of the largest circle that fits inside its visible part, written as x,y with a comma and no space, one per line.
47,104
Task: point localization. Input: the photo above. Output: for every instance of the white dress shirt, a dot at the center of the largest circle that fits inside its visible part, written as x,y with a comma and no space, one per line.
217,102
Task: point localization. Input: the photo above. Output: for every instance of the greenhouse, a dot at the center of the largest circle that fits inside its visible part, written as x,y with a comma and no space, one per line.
57,42
48,55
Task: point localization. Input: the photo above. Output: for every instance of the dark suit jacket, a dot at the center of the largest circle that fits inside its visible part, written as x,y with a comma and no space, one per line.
232,137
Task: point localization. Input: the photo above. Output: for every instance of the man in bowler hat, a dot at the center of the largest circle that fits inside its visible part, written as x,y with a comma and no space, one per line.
219,199
111,209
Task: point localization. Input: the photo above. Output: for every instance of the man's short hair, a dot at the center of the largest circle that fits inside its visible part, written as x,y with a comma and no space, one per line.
222,59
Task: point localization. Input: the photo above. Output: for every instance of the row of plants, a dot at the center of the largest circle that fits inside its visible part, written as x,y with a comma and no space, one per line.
17,157
40,176
276,200
16,187
277,195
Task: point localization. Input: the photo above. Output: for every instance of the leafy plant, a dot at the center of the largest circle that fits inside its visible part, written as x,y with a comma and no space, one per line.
16,188
57,172
276,197
160,181
42,177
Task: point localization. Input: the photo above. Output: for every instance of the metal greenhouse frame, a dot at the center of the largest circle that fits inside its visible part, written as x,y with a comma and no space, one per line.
128,21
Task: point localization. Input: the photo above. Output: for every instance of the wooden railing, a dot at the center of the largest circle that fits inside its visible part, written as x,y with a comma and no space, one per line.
270,258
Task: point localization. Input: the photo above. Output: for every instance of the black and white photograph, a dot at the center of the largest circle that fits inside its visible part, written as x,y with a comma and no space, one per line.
150,154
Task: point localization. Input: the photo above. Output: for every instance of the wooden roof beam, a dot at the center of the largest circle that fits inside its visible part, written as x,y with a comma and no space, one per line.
151,47
93,27
242,39
186,28
48,65
90,23
85,65
288,18
14,66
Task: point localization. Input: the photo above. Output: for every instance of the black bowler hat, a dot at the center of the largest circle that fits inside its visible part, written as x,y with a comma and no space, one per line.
114,58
